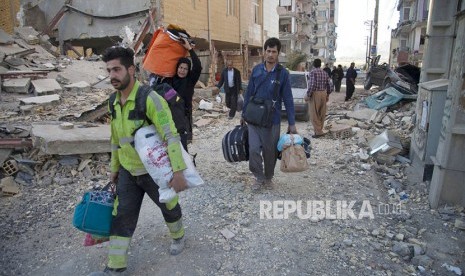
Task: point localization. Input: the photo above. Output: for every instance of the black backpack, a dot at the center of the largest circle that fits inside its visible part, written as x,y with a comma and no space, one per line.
175,102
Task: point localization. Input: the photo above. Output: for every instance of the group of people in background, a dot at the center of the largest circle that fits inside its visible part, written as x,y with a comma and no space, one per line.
337,74
268,81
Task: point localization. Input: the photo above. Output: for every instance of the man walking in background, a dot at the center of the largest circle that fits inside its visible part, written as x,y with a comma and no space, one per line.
231,78
327,70
319,88
337,74
351,75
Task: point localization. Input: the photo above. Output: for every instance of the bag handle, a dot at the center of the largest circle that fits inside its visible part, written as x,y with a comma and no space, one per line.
291,136
276,85
111,187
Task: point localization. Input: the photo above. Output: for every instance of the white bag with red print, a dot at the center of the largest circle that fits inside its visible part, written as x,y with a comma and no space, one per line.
152,151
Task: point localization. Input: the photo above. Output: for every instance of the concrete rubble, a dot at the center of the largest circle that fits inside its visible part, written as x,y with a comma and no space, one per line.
46,86
20,85
49,93
81,139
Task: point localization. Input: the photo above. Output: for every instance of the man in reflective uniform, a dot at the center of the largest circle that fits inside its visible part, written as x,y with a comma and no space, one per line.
127,171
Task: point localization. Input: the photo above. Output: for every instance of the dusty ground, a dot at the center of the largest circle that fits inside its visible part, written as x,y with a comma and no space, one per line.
37,238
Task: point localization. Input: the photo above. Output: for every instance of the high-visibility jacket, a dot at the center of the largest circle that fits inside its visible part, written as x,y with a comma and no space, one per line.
123,152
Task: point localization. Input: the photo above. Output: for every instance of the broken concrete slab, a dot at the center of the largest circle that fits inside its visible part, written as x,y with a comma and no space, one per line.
41,100
26,109
82,70
459,224
202,122
5,38
46,86
363,114
51,139
386,121
17,85
387,143
78,87
10,50
9,186
350,122
28,34
14,62
4,154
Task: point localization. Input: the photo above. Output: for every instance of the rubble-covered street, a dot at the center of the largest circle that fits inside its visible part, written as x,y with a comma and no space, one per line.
42,182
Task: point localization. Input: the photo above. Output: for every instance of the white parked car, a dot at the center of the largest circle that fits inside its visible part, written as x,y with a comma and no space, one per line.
299,86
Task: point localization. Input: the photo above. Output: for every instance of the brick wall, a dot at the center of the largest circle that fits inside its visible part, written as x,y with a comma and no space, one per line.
8,11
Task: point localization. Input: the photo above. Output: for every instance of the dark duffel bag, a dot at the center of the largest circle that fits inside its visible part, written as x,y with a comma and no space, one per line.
236,144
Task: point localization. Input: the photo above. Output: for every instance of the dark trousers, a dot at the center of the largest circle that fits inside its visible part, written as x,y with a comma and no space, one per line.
131,190
350,88
262,150
337,85
231,100
186,137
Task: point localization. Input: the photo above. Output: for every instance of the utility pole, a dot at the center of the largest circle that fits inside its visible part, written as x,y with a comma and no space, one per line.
367,54
375,32
369,45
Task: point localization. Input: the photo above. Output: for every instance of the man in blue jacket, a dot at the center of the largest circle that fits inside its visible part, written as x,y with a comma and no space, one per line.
264,140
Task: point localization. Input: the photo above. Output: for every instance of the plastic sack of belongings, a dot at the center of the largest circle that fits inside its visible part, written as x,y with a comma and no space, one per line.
293,155
153,153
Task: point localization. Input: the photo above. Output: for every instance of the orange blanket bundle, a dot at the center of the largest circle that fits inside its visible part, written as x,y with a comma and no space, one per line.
164,52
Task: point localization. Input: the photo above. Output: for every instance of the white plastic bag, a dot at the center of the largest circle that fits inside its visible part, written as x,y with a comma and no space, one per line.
205,105
153,153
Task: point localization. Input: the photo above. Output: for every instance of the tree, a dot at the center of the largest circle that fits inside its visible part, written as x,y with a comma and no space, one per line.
294,59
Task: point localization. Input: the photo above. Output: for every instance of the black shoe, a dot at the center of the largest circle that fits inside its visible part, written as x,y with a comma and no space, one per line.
110,272
317,136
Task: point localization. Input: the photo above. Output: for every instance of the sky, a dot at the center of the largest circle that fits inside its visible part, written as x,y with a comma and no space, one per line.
352,32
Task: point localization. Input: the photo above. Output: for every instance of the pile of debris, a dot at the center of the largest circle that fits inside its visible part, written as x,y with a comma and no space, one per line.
54,108
377,139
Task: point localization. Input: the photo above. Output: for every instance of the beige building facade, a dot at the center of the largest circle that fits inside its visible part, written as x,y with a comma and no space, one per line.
230,29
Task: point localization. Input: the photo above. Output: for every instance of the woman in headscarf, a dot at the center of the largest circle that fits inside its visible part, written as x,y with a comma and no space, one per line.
184,82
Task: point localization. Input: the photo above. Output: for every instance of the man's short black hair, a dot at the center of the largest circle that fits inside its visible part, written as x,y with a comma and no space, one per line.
272,42
125,55
317,63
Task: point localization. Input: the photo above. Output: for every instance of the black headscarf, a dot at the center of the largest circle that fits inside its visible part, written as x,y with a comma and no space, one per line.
184,60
